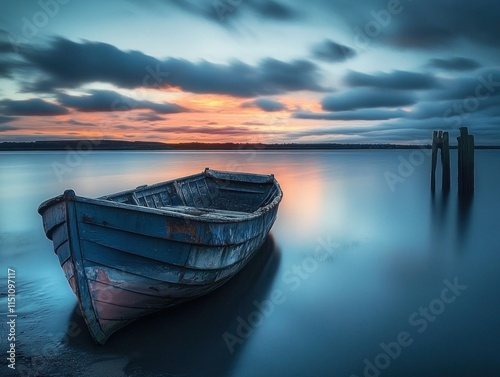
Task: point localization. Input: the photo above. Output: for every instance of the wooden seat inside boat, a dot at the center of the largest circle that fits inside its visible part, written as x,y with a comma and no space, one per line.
207,212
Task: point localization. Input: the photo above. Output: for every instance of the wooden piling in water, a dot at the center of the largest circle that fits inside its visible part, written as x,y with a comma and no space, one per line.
445,159
440,140
434,160
465,162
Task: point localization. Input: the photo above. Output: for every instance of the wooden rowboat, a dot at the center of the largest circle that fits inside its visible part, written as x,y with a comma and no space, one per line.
132,253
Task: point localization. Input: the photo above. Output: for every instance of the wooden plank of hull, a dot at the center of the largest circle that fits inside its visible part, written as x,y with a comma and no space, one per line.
109,293
140,267
59,234
151,250
157,225
116,303
54,217
105,310
63,252
69,271
141,285
161,250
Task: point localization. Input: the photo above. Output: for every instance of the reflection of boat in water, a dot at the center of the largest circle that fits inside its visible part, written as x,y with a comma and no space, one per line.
138,251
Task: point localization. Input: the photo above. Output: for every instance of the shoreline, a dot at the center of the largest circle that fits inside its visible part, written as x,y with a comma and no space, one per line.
115,145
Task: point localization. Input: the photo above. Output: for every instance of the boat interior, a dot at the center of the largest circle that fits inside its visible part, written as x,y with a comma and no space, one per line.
231,194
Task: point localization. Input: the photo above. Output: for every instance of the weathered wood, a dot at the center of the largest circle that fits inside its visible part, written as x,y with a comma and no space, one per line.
445,160
465,162
434,159
135,252
470,146
440,140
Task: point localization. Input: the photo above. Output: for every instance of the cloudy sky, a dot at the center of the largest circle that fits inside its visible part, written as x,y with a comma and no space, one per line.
365,71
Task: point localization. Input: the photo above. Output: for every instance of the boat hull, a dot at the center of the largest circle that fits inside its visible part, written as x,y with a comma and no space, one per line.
124,262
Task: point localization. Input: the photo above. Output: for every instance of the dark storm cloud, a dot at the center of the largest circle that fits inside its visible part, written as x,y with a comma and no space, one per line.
394,80
70,65
28,107
360,98
265,104
332,52
492,107
271,76
107,100
364,114
400,23
7,62
273,9
484,84
455,111
10,65
458,64
5,47
415,24
5,68
442,22
222,11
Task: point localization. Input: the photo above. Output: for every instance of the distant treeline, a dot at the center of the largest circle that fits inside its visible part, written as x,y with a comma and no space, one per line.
112,145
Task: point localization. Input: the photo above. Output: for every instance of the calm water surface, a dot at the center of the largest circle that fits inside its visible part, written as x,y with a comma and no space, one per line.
365,273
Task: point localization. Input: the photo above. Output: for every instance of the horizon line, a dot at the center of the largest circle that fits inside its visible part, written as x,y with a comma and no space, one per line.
111,144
